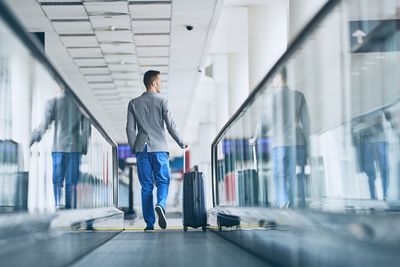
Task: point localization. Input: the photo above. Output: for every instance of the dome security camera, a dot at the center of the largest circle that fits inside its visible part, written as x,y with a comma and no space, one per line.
189,27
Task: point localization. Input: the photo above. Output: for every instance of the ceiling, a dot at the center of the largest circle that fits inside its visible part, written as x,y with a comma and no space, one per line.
103,47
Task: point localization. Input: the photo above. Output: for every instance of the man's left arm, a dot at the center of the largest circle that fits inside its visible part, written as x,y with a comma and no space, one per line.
171,126
305,122
86,132
131,128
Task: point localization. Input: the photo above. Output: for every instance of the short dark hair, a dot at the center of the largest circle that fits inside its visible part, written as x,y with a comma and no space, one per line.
283,73
149,77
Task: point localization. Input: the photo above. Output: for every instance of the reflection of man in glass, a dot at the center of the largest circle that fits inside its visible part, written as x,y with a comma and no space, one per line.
372,147
70,141
290,126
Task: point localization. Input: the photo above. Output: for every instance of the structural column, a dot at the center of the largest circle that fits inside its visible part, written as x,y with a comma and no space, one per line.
238,81
267,38
220,75
300,13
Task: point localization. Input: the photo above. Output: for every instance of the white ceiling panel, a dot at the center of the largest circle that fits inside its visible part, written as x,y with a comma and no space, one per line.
124,75
113,96
98,78
118,7
127,83
129,95
95,70
90,62
152,39
115,36
85,52
150,11
65,11
151,26
118,58
125,67
79,41
103,91
127,90
118,48
153,60
111,102
162,69
72,27
104,86
101,22
100,93
152,51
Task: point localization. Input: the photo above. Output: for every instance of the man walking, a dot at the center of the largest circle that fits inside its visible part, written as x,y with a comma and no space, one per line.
146,137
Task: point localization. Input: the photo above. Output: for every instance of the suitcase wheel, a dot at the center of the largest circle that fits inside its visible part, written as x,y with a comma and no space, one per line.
185,228
204,228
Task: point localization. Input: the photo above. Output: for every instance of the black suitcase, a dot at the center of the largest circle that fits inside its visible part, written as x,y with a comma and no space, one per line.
194,208
248,187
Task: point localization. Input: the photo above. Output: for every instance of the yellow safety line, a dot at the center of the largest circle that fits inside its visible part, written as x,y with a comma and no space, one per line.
169,228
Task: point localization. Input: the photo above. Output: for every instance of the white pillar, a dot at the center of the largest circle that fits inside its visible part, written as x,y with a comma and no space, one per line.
300,13
267,38
238,82
206,136
220,75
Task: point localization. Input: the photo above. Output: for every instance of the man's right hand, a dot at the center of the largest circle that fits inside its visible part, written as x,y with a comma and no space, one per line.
252,141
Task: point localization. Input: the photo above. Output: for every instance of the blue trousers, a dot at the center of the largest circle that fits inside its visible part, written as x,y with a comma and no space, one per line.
66,165
153,166
288,185
371,152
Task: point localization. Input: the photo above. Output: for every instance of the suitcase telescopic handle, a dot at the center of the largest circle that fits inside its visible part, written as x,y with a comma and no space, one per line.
184,160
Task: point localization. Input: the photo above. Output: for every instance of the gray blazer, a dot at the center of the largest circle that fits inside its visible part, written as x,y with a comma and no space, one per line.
146,116
286,115
291,118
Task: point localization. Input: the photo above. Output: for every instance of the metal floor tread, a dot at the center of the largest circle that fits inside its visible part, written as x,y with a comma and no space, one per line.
168,249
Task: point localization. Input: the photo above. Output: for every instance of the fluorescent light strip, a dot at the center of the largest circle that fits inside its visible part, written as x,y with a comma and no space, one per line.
150,3
152,56
150,46
77,35
70,20
152,19
151,33
89,67
61,3
81,47
88,58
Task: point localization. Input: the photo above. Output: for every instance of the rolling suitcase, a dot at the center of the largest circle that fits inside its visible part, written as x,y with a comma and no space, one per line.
194,208
248,184
248,187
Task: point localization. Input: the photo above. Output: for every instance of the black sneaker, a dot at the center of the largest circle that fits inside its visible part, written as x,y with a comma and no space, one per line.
149,229
162,221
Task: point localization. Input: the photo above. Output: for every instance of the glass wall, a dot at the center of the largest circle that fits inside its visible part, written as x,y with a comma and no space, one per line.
321,131
53,154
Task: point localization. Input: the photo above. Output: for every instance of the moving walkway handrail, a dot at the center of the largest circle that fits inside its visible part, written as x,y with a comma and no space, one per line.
293,46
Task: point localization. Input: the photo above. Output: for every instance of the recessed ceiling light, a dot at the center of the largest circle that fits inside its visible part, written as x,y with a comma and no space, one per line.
112,28
122,62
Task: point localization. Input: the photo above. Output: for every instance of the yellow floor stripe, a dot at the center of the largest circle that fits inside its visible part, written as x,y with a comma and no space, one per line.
249,226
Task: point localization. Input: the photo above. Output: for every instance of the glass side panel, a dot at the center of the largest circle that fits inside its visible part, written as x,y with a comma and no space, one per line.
323,132
51,154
